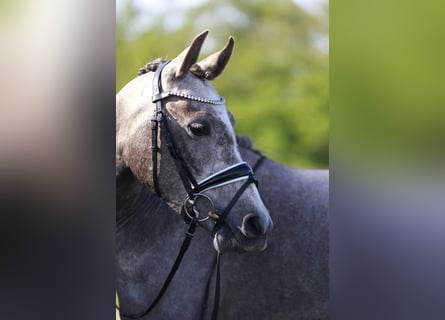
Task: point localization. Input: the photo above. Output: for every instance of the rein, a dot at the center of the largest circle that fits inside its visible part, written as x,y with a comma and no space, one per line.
190,211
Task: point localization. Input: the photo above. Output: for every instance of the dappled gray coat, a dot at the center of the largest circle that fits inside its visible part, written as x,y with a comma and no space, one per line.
289,280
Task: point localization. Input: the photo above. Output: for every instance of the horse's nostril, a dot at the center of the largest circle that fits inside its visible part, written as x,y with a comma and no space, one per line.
253,226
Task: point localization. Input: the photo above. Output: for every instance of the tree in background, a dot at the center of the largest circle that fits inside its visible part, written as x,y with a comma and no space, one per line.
276,83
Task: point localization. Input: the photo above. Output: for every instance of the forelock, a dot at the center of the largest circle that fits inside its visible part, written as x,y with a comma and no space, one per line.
151,66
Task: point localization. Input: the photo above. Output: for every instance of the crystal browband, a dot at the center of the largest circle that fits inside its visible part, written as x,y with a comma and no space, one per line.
166,94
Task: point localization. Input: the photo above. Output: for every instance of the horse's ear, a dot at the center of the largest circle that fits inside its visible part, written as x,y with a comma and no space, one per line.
213,65
189,56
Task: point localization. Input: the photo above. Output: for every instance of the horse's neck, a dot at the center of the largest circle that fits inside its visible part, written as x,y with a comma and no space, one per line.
296,259
132,197
302,192
284,176
136,204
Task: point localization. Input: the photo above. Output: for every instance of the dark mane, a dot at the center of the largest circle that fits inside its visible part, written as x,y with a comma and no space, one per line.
151,66
244,142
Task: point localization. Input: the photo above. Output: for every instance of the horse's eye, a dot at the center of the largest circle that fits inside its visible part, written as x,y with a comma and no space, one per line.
199,128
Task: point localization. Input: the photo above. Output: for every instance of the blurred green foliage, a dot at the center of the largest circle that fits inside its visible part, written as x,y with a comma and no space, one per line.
387,84
276,84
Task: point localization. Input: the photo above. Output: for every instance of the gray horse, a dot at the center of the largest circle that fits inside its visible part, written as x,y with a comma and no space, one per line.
175,135
289,280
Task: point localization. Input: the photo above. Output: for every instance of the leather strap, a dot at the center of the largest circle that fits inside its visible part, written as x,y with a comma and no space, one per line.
217,287
259,162
157,99
234,173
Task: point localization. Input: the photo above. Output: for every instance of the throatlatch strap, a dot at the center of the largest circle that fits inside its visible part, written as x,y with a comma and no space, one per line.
258,163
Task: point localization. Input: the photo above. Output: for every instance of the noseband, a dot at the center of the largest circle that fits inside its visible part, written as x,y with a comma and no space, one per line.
238,172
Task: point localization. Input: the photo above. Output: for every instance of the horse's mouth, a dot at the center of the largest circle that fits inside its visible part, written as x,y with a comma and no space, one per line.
225,241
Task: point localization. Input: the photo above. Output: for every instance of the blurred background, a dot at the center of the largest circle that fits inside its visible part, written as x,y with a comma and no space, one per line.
276,83
386,124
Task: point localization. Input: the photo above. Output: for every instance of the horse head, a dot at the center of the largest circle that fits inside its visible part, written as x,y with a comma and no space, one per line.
176,135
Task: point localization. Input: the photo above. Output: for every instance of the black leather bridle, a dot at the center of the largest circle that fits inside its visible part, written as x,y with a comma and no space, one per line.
241,171
238,172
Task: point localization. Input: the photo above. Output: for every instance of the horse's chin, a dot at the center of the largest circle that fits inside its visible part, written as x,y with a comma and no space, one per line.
225,241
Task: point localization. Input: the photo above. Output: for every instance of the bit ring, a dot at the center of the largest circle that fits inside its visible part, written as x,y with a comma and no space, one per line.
189,205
